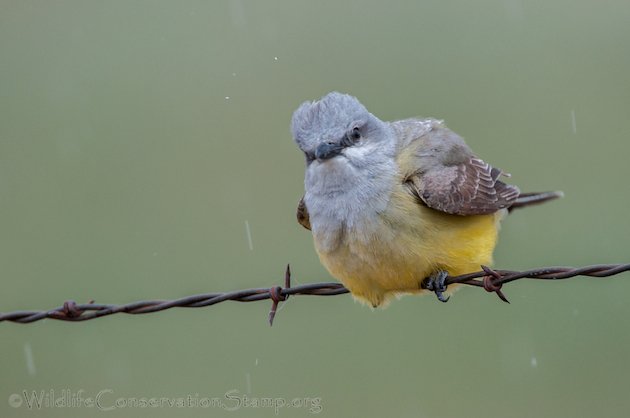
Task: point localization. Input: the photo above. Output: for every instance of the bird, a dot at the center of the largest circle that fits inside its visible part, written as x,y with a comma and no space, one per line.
395,208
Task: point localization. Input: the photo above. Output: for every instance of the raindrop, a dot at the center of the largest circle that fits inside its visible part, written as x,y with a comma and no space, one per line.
248,231
30,362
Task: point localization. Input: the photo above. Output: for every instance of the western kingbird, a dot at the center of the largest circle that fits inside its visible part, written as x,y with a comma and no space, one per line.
392,203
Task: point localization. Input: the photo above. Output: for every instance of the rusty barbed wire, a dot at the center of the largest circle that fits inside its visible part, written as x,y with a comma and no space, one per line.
491,280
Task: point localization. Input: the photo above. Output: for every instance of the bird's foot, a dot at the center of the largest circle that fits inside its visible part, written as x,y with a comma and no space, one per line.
437,283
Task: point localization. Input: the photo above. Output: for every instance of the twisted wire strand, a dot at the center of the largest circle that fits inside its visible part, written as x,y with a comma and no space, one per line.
490,280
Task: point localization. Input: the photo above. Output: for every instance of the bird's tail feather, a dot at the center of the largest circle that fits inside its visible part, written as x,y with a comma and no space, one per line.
527,199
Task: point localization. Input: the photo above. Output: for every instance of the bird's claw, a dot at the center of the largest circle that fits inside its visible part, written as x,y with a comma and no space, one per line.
437,283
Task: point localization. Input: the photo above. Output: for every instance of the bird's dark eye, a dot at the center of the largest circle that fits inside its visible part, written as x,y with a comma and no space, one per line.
354,135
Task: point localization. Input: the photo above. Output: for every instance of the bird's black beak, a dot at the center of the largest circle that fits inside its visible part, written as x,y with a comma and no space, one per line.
328,150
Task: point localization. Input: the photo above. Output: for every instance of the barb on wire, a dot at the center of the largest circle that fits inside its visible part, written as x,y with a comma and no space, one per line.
491,280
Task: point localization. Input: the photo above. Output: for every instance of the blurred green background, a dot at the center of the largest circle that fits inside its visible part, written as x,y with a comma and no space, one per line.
138,139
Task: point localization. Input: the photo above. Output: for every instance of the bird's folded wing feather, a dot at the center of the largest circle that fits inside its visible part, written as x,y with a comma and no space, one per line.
442,172
302,215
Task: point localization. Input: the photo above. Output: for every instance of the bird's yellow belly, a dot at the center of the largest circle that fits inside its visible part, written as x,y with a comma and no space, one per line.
391,256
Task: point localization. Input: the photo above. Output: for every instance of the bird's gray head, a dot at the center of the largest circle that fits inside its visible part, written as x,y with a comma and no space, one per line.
338,125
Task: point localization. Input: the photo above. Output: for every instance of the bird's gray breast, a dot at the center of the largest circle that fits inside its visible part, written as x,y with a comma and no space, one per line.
345,203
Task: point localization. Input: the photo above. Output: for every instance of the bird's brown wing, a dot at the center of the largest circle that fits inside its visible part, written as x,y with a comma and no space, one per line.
442,172
302,215
469,188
